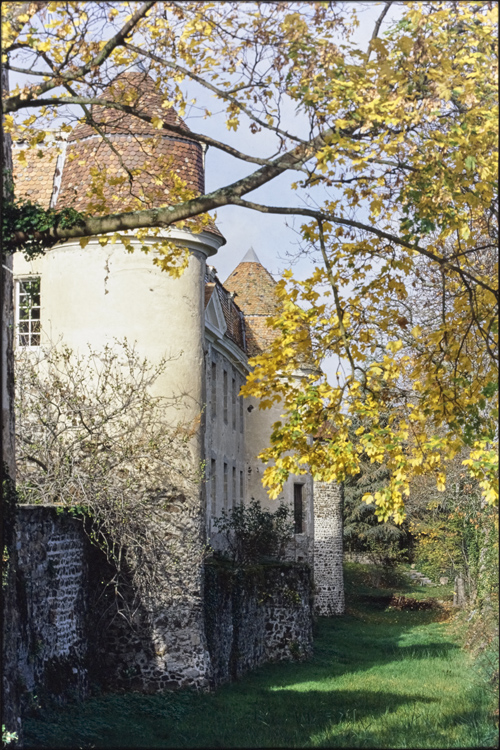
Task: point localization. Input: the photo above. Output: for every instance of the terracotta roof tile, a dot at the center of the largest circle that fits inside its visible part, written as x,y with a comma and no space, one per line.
137,90
154,158
35,182
258,334
255,295
255,289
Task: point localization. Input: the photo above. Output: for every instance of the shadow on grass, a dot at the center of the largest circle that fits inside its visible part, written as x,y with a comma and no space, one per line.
278,705
267,718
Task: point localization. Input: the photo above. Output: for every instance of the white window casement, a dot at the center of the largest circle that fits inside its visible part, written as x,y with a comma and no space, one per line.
28,311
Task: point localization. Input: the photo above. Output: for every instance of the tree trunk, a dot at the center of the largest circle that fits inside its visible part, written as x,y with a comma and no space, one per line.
8,448
459,595
11,698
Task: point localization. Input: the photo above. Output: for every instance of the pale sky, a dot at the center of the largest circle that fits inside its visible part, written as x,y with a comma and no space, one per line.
267,234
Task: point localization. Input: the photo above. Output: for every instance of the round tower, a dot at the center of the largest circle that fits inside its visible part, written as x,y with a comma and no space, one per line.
96,294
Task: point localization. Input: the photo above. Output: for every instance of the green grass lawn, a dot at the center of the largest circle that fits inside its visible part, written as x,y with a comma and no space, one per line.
379,678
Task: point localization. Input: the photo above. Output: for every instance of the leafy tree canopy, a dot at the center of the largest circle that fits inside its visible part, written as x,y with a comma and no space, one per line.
393,158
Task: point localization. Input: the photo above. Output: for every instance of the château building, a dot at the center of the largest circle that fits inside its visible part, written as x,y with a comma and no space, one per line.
207,329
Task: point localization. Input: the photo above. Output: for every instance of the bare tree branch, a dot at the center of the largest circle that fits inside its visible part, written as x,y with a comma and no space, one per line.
108,48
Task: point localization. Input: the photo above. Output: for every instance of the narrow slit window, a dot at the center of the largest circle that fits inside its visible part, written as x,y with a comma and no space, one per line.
298,511
28,312
240,398
213,397
241,487
233,499
233,401
226,489
225,396
213,487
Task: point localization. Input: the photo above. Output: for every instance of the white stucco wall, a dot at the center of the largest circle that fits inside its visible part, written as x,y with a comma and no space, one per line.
96,294
258,431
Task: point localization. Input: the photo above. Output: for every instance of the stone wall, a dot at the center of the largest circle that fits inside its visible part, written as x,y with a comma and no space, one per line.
328,549
51,583
252,616
71,634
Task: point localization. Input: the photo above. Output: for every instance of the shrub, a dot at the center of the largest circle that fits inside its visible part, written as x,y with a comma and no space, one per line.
254,534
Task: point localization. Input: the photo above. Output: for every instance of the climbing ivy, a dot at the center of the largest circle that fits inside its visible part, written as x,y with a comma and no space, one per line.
33,222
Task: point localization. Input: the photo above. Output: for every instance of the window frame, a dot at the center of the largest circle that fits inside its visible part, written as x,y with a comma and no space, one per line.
226,487
213,487
30,320
298,508
233,401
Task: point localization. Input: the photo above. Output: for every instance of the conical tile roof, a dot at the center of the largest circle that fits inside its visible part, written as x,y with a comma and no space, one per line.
93,173
255,291
129,145
254,286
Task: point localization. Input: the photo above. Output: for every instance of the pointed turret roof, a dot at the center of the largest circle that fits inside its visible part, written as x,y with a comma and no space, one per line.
254,286
250,257
255,291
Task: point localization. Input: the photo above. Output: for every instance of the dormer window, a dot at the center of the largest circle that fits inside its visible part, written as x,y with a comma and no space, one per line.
28,311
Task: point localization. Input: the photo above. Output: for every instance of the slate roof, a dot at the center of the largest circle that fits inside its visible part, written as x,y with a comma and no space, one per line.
129,144
255,295
236,329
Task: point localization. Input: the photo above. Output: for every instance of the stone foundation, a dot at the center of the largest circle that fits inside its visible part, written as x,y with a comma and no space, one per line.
206,627
259,614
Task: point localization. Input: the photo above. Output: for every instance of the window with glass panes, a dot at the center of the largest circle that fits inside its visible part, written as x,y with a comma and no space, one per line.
28,311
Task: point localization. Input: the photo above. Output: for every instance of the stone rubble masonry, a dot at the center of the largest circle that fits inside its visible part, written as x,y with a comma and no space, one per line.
256,615
328,549
194,634
163,646
51,583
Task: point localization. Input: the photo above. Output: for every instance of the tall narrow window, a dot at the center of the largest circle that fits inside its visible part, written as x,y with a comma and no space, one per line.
297,508
241,413
28,312
225,396
213,487
214,390
233,401
233,499
241,488
226,489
